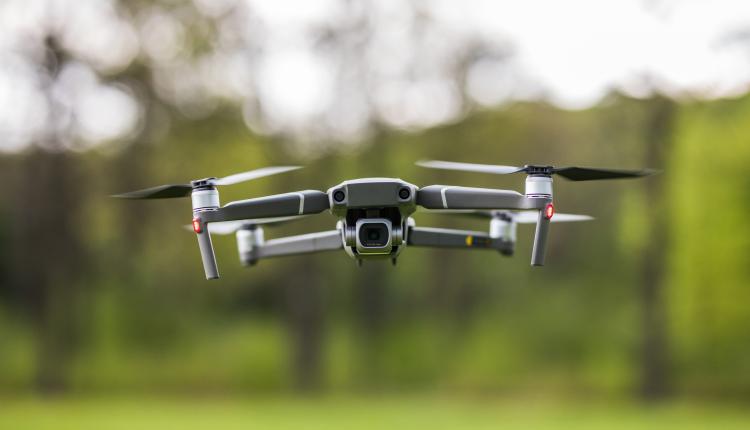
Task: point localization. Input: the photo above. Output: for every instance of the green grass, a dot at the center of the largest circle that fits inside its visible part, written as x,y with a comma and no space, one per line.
359,413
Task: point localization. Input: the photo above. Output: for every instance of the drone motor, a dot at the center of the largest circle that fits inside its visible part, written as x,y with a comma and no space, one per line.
539,186
249,238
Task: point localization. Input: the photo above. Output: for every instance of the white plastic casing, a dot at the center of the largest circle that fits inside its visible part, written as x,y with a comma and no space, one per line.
503,229
539,186
247,240
206,199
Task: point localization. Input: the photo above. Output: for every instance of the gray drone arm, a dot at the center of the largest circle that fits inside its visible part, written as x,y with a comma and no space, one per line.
449,197
540,239
288,204
294,245
279,205
449,238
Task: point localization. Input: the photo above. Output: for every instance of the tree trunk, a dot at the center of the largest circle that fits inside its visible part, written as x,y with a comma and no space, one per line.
369,290
304,298
48,255
654,357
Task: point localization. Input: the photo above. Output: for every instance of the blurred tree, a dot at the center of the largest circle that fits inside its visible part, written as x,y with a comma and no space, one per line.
370,290
305,312
48,222
659,132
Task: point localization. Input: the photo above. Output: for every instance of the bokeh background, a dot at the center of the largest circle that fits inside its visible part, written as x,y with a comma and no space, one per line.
640,319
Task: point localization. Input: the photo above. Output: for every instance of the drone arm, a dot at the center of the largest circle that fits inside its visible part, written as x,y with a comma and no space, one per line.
540,240
295,245
279,205
450,197
297,203
207,250
449,238
447,197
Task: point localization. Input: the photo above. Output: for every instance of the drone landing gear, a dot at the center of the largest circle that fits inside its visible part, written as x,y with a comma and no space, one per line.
393,261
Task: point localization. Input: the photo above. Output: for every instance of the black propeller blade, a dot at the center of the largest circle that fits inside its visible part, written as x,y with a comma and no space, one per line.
184,190
590,174
159,192
570,173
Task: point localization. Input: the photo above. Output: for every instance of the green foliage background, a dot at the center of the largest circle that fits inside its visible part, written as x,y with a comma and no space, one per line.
144,320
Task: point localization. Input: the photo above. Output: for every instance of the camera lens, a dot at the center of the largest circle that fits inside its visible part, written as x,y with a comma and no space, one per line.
404,193
339,196
374,235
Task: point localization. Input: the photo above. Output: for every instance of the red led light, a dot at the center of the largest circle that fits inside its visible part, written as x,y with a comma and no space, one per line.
549,210
197,225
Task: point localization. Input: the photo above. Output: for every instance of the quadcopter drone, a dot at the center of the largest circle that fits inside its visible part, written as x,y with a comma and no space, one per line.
375,214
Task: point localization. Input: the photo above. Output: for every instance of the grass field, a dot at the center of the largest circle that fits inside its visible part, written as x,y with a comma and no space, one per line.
359,413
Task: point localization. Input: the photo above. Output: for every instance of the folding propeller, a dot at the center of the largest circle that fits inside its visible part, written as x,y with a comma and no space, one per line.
525,217
230,227
571,173
533,217
184,190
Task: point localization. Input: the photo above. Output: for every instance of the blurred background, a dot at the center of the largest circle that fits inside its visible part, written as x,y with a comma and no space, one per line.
640,316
